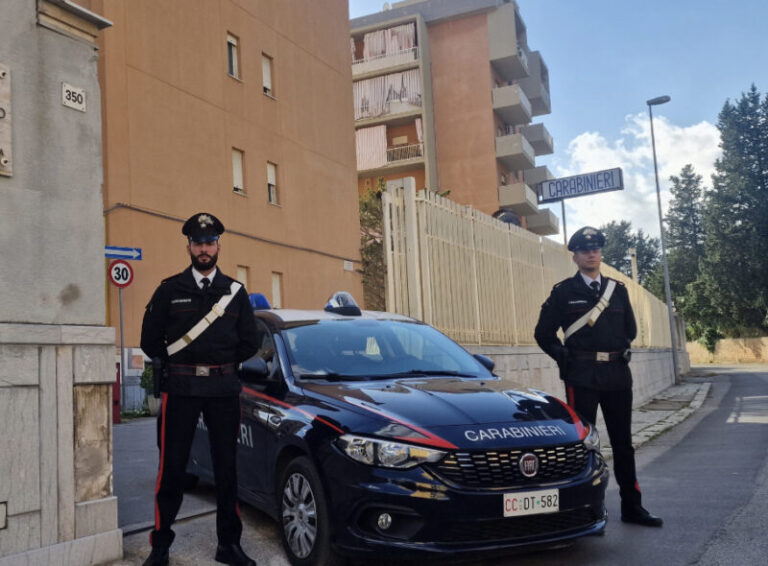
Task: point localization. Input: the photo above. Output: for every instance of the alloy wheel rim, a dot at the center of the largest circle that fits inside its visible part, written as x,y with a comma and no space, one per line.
299,515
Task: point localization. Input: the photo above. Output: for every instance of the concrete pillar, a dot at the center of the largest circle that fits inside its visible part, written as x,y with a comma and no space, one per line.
56,356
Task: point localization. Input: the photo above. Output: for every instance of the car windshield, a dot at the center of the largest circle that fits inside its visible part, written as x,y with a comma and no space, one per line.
370,349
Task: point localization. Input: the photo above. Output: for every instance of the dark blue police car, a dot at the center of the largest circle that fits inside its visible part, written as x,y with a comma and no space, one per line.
374,434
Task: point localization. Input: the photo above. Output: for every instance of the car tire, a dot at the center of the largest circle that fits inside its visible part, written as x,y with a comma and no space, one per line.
303,516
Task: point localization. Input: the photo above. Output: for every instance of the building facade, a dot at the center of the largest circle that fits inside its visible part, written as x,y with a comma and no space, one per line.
57,356
240,108
445,92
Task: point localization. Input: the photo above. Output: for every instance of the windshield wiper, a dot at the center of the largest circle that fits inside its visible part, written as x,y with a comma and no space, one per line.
427,372
330,376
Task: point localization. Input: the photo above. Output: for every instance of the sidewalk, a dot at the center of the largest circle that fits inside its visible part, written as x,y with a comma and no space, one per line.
666,410
195,541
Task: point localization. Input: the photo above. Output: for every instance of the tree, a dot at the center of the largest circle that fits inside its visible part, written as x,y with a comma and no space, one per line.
619,238
374,269
733,277
685,241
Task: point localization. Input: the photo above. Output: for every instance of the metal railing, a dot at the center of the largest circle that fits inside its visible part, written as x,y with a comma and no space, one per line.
404,152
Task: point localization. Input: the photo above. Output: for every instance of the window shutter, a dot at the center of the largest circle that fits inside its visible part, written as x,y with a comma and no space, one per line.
237,170
266,73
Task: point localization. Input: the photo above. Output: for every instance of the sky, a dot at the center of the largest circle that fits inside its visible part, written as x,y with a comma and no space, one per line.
605,59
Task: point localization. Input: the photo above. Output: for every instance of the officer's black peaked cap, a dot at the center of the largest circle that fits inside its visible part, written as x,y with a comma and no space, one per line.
586,238
203,227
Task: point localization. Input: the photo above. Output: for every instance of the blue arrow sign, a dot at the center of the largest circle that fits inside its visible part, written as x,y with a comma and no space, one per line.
122,253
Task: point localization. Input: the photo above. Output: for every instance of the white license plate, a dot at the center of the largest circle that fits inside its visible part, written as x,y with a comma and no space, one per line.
531,502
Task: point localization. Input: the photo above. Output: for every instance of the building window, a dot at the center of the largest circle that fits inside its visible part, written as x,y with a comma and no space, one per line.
242,275
272,194
233,66
238,184
277,290
266,74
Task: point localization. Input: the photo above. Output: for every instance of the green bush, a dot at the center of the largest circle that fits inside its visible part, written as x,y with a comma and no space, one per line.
147,383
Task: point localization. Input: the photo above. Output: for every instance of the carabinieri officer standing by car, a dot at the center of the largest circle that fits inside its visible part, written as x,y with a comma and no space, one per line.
201,324
599,326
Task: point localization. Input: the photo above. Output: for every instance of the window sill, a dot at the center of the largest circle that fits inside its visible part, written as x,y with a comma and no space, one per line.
269,96
234,78
275,204
240,193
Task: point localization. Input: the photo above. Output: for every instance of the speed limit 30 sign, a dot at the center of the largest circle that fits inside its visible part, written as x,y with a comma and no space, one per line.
120,273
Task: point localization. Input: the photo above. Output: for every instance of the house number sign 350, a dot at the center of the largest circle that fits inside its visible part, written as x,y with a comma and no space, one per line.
73,97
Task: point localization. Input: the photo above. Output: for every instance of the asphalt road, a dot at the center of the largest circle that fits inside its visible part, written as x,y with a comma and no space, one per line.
707,477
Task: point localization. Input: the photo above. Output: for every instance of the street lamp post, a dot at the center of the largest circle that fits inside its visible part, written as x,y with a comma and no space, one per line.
667,292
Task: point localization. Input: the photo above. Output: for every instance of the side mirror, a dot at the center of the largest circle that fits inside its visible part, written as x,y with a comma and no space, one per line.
487,362
253,370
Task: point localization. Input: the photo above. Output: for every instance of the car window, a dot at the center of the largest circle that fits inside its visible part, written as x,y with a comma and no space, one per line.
266,345
374,348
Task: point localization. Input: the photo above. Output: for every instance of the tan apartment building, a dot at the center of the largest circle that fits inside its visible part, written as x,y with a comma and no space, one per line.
445,91
240,108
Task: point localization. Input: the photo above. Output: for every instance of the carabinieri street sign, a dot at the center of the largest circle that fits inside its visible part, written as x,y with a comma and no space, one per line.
580,185
116,252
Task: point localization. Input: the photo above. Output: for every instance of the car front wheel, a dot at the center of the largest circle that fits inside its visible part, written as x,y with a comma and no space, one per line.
304,515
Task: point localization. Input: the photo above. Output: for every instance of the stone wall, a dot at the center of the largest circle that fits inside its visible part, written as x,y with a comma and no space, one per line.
731,351
56,446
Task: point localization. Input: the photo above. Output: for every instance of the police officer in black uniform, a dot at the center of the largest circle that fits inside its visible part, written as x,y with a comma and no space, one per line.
594,361
202,378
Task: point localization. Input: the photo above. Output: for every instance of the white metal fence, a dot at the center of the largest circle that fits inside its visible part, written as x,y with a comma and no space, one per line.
480,280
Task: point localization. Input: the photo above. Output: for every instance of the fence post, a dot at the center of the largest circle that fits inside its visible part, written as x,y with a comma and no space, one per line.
412,250
386,203
475,282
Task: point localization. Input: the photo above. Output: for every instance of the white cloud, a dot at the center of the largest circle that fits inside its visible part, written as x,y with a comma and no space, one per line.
676,146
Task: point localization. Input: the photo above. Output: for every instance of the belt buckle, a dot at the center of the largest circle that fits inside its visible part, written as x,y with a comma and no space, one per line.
202,371
603,357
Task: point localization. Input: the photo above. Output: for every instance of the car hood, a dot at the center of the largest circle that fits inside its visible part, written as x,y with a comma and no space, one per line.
454,411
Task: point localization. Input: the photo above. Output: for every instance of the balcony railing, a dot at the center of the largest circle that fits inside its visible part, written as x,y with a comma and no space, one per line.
404,152
385,60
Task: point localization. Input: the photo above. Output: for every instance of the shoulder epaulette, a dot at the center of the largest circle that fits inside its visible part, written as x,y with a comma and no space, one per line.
169,278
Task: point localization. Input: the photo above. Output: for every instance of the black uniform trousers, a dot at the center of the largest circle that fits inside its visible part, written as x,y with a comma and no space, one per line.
180,415
617,412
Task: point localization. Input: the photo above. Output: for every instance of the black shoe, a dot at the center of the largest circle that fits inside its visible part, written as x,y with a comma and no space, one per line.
640,516
158,556
233,555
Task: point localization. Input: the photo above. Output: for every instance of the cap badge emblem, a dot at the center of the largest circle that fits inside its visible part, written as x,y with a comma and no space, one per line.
204,220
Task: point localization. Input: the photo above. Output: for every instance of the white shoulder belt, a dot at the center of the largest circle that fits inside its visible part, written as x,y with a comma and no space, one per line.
206,321
592,316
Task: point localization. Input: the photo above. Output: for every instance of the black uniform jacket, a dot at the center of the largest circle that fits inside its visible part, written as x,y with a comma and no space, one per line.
177,305
613,332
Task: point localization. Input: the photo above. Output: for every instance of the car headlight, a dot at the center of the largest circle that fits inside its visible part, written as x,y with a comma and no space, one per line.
385,453
592,440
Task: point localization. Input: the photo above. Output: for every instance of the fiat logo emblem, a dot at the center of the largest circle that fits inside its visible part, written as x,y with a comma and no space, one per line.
529,464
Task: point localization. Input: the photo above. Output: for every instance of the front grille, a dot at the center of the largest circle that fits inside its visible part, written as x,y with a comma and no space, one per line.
495,469
518,528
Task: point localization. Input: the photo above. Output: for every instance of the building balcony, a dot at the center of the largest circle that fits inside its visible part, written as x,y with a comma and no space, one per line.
539,138
506,42
537,175
389,62
519,198
511,104
405,152
536,86
400,158
514,152
543,223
